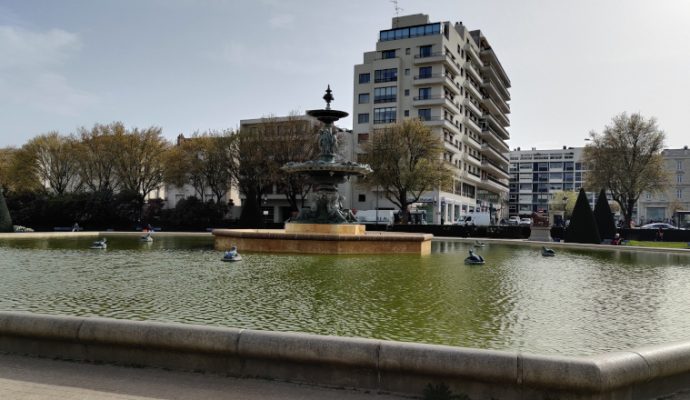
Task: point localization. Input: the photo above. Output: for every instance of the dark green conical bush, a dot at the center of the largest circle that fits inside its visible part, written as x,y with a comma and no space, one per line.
5,220
583,226
604,217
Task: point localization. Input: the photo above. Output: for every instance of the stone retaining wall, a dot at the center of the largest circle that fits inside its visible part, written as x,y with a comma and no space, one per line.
366,364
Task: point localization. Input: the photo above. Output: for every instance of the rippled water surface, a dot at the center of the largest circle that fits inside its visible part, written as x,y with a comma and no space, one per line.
579,302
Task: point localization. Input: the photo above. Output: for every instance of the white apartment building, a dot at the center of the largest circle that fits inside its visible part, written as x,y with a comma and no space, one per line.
657,207
535,175
450,78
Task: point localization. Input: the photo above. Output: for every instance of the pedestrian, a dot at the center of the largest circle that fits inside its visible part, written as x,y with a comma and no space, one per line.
660,235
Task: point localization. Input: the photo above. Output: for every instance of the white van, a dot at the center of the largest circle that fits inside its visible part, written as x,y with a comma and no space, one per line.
474,219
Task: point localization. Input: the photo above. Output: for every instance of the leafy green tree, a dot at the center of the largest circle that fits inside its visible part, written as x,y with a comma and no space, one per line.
604,217
563,200
583,226
626,160
406,159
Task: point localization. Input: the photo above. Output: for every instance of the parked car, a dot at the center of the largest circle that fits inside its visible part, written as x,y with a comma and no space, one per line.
525,221
658,225
514,220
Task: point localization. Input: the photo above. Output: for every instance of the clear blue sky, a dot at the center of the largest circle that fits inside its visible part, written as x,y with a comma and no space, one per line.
190,65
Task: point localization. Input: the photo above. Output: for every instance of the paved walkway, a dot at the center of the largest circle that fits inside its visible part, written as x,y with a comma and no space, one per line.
27,378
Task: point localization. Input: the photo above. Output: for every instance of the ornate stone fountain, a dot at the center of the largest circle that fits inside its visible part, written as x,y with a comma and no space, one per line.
324,227
325,174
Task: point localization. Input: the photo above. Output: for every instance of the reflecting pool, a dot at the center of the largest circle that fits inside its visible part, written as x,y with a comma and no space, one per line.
579,302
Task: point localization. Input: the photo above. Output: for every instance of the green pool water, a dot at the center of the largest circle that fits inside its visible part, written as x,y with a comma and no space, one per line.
580,302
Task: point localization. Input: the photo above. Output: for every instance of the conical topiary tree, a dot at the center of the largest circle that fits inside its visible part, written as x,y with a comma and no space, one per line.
583,226
5,220
604,217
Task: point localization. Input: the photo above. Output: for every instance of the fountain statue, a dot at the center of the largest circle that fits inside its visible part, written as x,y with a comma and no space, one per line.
326,172
324,227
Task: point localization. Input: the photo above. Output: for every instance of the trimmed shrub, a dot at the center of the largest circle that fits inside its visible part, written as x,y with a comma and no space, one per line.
5,219
604,218
583,226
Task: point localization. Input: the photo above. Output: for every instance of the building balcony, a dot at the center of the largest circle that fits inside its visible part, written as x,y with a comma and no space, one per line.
472,106
494,139
488,120
472,159
473,125
472,70
472,142
472,177
488,56
472,53
438,57
493,153
452,126
492,184
491,90
494,169
474,90
434,100
430,79
490,73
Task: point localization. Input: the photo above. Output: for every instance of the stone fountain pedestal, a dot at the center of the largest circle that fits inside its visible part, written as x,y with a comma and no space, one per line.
324,227
308,241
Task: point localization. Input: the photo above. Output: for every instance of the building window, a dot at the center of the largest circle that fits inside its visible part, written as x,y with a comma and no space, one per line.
424,51
679,193
424,72
363,118
362,198
407,51
679,178
384,115
648,196
362,137
407,92
386,94
424,93
407,113
363,98
679,165
386,75
424,114
407,72
364,78
414,31
388,54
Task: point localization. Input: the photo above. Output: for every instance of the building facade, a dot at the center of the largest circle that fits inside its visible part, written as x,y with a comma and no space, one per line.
450,78
661,206
536,175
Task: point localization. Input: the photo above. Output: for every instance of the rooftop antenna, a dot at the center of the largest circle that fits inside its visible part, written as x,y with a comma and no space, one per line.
397,9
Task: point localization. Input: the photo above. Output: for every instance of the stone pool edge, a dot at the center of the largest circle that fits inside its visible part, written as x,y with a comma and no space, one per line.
365,364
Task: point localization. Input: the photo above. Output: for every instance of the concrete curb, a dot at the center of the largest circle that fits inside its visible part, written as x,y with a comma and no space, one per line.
352,362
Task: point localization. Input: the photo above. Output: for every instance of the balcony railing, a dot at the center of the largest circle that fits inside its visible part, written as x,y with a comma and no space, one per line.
385,99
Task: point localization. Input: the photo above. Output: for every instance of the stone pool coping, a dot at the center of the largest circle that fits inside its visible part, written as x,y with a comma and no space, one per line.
369,364
520,242
560,245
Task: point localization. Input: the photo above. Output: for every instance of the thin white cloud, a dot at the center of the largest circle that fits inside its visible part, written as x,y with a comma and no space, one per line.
30,76
21,48
282,21
51,93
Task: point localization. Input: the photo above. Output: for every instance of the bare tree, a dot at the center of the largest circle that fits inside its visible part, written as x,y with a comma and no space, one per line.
203,161
139,160
284,140
96,158
407,161
51,159
626,160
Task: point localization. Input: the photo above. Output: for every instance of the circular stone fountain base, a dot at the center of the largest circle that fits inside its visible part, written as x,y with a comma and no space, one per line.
335,229
310,242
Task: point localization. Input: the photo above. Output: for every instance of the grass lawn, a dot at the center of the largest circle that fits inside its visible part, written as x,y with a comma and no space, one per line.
669,245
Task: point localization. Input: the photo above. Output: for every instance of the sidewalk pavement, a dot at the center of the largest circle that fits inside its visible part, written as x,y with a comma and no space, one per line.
28,378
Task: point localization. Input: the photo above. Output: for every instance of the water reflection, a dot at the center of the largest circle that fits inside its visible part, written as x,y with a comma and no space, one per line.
579,302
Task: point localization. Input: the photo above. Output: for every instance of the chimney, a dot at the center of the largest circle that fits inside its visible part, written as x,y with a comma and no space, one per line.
563,147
